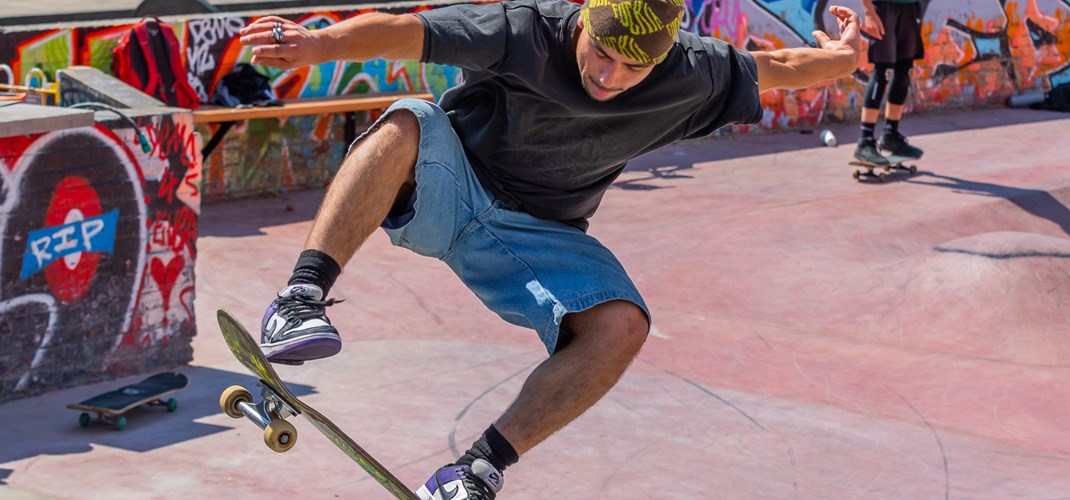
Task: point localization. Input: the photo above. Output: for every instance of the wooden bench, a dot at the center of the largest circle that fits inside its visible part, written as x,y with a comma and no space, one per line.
349,105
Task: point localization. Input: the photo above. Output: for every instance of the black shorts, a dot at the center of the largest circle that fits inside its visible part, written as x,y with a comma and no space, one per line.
902,33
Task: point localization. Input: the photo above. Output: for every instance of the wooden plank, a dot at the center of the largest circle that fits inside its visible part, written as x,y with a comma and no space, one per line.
298,107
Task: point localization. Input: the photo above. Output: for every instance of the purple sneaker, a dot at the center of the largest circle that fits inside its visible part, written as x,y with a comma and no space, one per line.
296,328
481,481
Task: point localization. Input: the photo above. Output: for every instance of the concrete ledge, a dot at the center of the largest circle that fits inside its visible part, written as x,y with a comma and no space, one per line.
116,195
88,84
24,119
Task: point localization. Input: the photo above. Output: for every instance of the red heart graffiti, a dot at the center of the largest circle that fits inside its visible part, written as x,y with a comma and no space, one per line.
165,276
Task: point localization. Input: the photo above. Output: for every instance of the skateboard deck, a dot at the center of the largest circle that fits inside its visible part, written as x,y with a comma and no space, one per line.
278,404
895,162
111,406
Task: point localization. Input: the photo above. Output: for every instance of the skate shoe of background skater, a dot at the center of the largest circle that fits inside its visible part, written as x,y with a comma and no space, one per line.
481,481
296,329
896,144
866,152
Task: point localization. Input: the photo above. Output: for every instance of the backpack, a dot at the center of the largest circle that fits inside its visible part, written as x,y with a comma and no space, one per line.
244,87
148,58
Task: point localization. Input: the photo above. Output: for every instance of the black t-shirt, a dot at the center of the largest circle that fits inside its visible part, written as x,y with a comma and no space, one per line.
534,137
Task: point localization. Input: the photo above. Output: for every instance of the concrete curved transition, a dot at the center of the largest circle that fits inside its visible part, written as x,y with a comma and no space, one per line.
813,337
1001,296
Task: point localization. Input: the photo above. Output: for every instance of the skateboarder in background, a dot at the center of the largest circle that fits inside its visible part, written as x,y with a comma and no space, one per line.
499,179
894,27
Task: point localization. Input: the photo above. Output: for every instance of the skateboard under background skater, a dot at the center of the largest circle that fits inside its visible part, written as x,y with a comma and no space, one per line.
111,406
278,404
895,162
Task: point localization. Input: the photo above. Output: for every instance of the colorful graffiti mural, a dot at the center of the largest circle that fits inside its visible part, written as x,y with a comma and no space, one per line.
977,53
97,252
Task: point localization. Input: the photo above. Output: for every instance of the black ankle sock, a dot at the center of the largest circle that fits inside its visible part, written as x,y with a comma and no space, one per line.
891,125
867,130
492,447
316,268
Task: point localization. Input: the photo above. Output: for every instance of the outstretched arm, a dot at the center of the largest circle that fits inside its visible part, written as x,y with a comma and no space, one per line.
368,36
802,67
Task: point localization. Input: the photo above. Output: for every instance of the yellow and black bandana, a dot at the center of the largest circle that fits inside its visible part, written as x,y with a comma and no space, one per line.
643,30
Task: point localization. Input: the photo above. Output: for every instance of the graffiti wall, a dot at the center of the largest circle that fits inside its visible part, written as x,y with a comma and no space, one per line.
265,156
977,53
97,252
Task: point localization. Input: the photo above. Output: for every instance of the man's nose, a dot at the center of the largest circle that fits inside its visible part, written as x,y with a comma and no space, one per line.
608,77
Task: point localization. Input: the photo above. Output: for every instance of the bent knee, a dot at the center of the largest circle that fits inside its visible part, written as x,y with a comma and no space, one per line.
404,123
621,325
415,116
634,325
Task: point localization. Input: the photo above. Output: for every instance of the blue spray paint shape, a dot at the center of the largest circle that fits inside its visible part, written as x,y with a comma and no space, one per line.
795,14
1060,76
45,246
988,46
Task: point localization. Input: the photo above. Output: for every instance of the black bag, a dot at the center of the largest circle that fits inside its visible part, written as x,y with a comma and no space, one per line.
1059,98
245,87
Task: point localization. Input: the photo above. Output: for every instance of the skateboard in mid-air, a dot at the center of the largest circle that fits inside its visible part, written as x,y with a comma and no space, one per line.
278,404
895,162
110,407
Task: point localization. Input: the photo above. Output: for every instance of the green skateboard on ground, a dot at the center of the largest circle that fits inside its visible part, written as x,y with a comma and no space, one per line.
895,162
278,404
110,407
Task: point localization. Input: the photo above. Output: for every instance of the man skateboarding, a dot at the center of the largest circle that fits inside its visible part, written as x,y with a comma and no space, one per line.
894,29
499,178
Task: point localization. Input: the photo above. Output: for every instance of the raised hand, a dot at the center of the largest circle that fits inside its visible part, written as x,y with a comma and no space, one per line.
850,35
283,44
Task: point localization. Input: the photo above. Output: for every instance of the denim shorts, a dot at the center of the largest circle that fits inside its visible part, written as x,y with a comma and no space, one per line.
530,271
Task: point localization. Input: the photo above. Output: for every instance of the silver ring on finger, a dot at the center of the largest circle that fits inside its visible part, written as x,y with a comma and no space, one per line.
276,33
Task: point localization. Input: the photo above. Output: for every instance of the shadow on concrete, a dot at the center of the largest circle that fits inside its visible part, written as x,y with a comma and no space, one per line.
680,156
656,172
46,427
1039,203
249,217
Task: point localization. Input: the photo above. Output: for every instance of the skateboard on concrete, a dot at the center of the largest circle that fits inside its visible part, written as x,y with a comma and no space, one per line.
895,162
110,407
278,404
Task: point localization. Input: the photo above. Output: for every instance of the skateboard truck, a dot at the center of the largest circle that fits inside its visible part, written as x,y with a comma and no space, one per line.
269,414
894,163
277,404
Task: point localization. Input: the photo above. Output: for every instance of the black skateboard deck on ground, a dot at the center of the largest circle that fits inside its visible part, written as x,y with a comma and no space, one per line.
278,404
895,162
111,406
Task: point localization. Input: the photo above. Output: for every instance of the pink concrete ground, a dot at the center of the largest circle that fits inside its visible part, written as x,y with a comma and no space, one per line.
813,337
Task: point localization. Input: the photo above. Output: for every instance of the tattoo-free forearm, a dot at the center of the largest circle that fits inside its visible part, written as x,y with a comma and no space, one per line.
802,67
374,35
